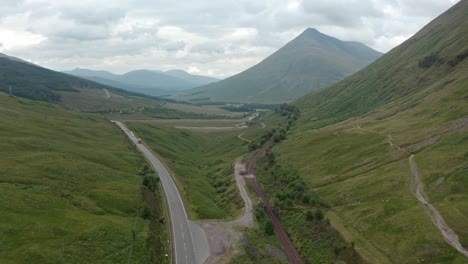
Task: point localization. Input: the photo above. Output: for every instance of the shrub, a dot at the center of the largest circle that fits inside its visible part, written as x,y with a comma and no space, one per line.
428,61
151,182
318,215
309,215
268,227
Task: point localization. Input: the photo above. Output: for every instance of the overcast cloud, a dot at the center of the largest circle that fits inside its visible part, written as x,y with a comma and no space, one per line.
215,38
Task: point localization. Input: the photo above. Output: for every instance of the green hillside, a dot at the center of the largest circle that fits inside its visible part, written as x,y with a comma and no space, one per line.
37,83
353,141
310,61
70,189
434,53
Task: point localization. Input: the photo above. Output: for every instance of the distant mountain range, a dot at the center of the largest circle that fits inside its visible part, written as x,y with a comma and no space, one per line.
146,81
37,83
310,61
34,82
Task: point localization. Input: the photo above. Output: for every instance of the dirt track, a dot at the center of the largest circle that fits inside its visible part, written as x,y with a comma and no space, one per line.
243,139
220,234
418,188
107,94
246,220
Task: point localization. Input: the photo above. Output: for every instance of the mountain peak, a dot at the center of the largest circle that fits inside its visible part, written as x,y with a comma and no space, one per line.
311,31
310,61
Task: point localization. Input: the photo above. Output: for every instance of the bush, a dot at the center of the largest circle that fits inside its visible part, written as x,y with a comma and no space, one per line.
309,215
428,61
146,212
259,214
268,227
151,181
318,215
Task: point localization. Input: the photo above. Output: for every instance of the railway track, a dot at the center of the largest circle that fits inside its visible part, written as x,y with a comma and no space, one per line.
290,250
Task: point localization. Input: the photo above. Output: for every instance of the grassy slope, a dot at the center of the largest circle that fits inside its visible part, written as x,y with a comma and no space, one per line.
202,163
368,182
310,61
353,167
69,187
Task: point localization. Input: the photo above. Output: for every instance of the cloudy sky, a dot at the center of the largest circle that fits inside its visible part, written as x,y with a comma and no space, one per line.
209,37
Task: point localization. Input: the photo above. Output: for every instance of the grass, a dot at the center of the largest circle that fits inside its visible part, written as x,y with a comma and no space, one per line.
206,123
340,147
367,182
69,187
209,110
202,163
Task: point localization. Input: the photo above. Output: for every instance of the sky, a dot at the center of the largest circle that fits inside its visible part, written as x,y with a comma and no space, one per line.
216,38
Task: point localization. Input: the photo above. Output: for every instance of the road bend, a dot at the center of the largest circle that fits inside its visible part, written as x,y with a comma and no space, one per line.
189,242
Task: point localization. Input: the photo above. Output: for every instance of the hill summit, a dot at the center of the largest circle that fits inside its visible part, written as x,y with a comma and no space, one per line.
310,61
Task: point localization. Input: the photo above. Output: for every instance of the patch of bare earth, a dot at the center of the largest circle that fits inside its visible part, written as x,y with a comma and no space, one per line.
221,235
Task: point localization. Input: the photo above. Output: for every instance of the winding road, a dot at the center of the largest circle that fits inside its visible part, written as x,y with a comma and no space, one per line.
190,245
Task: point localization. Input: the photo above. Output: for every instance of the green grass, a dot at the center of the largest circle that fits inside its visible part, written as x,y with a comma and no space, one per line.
69,187
367,182
202,163
209,110
340,147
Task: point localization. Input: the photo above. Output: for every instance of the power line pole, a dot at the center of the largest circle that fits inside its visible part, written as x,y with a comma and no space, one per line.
10,91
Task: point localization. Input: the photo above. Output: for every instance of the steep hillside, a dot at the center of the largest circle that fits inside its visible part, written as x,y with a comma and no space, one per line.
70,188
387,146
310,61
433,53
34,82
146,81
38,83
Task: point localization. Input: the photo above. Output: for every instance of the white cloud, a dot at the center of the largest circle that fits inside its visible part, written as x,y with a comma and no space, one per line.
218,38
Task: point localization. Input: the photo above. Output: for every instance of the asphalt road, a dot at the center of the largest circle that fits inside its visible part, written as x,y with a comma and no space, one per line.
189,241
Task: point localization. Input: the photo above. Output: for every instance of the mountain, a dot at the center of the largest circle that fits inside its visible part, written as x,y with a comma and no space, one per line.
387,147
196,79
310,61
92,73
34,82
146,81
13,58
